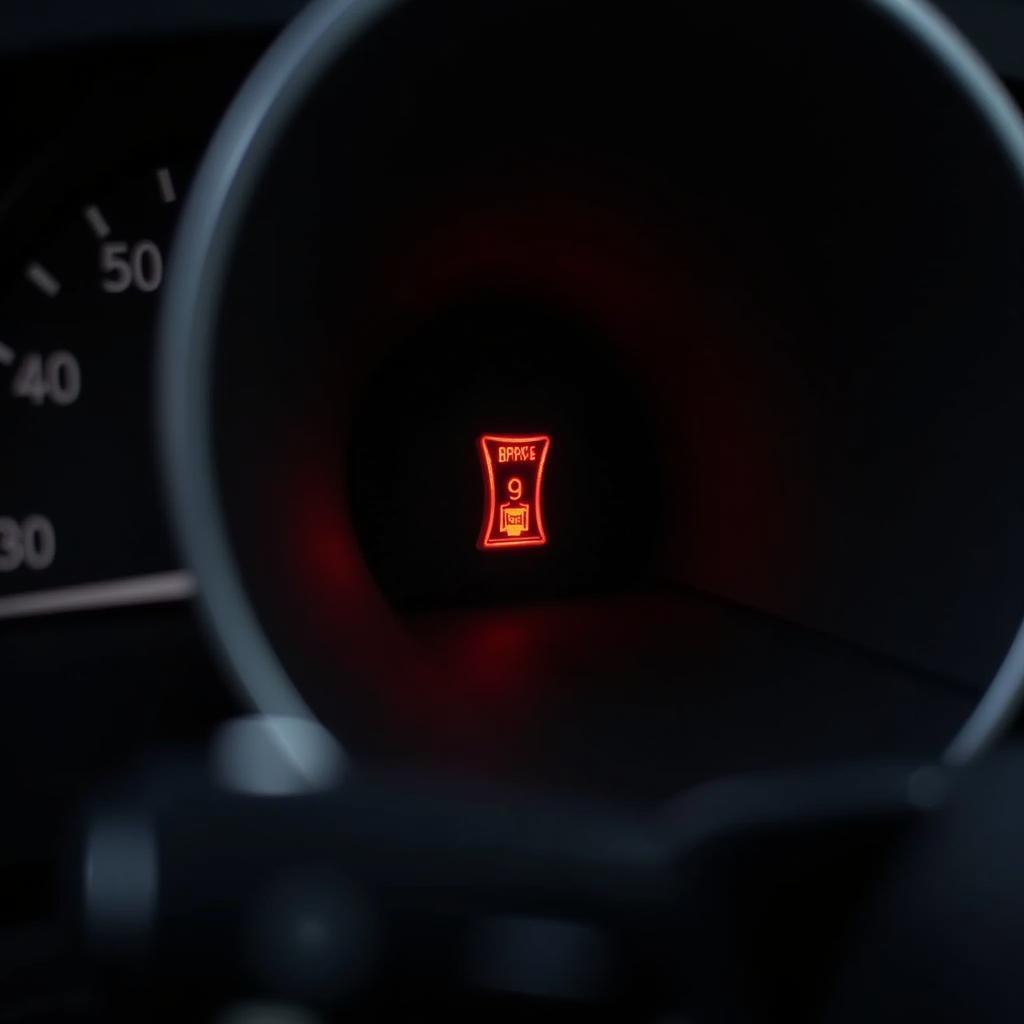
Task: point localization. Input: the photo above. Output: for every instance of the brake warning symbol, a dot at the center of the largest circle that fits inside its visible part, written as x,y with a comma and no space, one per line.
513,476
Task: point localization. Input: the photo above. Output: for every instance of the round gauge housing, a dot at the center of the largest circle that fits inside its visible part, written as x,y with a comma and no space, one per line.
758,289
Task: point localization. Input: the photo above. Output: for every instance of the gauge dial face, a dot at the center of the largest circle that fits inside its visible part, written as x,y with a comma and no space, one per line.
80,503
776,390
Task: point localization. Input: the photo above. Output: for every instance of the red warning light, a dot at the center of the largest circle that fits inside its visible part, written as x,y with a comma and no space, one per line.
513,474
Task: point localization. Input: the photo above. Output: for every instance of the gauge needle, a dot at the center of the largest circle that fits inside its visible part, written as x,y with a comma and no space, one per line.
155,588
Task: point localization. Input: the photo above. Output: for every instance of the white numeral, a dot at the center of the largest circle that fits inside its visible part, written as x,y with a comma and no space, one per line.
31,544
127,265
55,378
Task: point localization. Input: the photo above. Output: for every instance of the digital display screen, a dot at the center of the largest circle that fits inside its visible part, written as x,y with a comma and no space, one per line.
513,469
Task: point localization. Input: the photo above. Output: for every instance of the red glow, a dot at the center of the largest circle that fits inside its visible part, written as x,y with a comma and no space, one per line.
513,477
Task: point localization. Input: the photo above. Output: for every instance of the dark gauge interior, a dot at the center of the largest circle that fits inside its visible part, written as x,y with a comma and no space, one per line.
503,365
101,148
81,503
767,361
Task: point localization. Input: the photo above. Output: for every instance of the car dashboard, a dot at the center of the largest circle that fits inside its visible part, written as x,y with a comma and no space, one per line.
553,421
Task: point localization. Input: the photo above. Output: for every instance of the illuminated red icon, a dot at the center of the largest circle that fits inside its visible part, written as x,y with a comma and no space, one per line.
513,474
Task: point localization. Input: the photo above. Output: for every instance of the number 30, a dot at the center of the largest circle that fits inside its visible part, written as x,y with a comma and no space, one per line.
32,543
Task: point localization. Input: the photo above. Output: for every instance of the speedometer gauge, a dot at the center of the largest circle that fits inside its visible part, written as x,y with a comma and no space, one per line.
79,501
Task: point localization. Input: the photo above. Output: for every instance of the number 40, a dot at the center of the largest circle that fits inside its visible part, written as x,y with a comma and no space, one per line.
55,378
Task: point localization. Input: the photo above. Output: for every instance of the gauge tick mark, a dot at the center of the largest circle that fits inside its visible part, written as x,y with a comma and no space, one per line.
95,219
166,184
38,275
